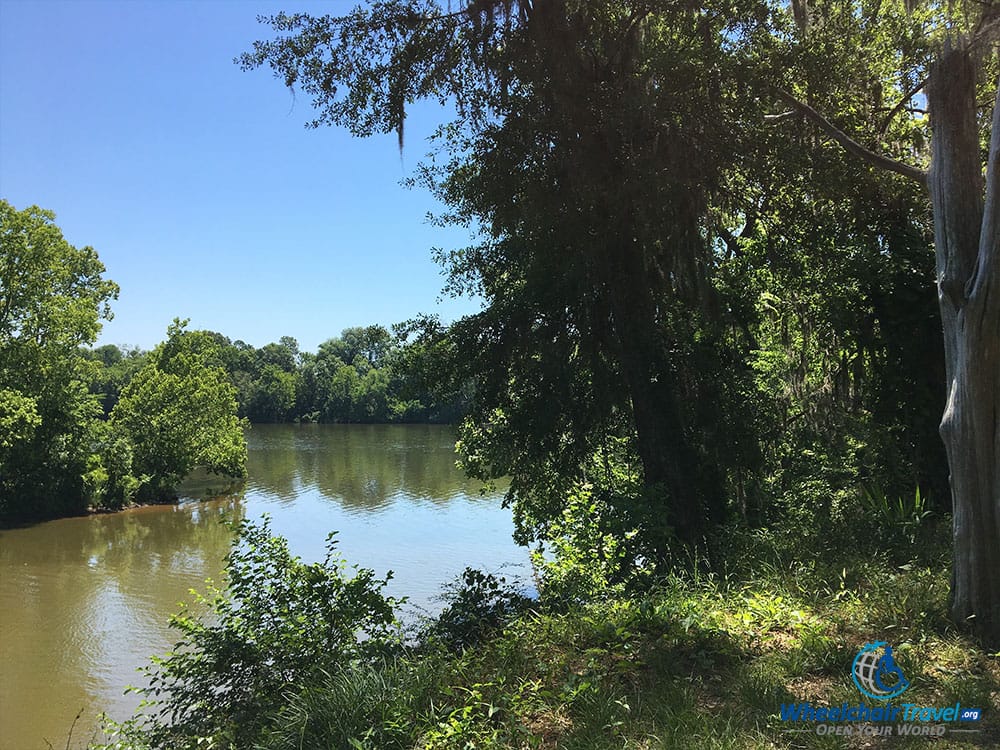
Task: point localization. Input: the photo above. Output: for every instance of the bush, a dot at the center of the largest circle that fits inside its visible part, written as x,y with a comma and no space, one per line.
280,624
478,604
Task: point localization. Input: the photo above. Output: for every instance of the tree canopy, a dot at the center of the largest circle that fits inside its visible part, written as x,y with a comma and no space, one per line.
52,299
179,411
58,455
688,271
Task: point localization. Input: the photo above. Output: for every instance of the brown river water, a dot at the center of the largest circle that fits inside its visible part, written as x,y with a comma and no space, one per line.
84,602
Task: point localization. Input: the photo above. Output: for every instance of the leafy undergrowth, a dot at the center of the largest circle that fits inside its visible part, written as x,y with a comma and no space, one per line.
696,661
691,665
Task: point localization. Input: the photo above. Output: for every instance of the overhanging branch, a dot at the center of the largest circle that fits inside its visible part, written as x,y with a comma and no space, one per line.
901,105
780,116
851,145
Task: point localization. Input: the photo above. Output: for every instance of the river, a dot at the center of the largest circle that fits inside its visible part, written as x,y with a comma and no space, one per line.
84,602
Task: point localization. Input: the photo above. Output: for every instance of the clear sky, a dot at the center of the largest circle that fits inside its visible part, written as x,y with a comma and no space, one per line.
198,184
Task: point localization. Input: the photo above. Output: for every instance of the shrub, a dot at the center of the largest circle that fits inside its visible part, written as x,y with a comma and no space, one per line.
280,623
478,604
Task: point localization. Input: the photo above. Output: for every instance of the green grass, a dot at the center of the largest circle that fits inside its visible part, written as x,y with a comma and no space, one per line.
697,665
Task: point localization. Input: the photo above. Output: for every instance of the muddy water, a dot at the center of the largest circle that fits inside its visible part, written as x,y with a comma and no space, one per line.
85,601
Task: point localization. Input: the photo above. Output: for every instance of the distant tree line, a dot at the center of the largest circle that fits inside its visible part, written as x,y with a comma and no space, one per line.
367,374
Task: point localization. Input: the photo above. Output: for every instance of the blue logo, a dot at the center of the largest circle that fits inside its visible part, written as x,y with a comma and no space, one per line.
876,673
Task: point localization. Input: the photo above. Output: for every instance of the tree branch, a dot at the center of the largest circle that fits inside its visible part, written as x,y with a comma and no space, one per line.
732,243
850,145
902,103
780,116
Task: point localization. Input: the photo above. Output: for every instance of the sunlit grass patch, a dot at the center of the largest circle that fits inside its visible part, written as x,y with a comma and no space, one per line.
694,665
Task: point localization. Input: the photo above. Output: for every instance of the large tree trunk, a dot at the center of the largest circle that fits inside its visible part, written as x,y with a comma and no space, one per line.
670,467
683,487
967,244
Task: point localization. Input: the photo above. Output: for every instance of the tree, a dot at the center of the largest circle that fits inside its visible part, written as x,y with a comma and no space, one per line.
343,394
966,212
967,241
179,412
592,196
422,376
370,342
274,395
595,148
284,354
349,377
52,299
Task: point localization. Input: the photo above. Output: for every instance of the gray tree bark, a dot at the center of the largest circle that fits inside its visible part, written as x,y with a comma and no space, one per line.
967,249
967,246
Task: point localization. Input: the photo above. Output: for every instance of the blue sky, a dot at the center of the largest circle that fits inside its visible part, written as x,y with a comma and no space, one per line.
198,184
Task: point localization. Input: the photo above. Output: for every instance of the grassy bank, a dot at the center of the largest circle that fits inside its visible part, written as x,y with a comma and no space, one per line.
697,661
693,665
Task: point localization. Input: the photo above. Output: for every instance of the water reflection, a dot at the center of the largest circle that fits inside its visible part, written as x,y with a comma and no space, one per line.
359,466
85,601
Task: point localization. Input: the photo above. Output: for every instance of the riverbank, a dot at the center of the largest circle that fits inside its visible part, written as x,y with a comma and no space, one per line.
709,664
199,486
694,665
697,661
